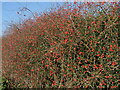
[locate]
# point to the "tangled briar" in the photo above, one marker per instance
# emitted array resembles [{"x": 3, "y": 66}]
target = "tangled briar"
[{"x": 75, "y": 46}]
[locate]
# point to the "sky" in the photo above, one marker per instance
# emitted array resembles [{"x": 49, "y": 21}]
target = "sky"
[{"x": 10, "y": 9}]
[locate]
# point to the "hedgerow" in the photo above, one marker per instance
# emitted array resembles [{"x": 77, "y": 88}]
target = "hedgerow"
[{"x": 75, "y": 46}]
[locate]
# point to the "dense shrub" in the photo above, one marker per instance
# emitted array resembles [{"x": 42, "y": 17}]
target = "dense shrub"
[{"x": 75, "y": 46}]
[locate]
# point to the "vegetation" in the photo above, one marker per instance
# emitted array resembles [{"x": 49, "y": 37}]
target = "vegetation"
[{"x": 73, "y": 46}]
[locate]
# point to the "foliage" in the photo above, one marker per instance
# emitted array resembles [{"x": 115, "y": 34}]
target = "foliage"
[
  {"x": 3, "y": 83},
  {"x": 71, "y": 47}
]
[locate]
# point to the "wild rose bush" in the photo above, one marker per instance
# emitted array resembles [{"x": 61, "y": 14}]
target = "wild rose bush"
[{"x": 74, "y": 46}]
